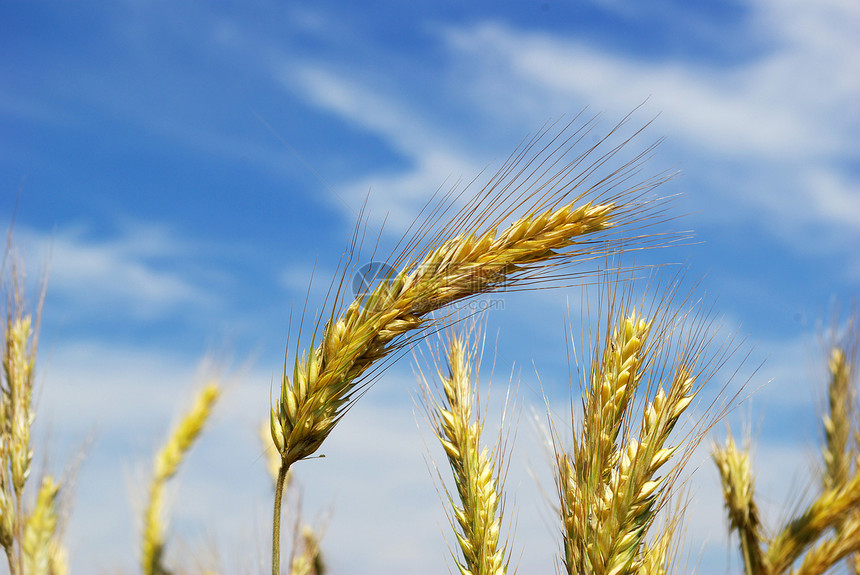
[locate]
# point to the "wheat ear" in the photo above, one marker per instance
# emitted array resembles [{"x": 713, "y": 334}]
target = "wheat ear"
[
  {"x": 827, "y": 554},
  {"x": 583, "y": 479},
  {"x": 166, "y": 464},
  {"x": 555, "y": 225},
  {"x": 738, "y": 493},
  {"x": 477, "y": 507},
  {"x": 838, "y": 452},
  {"x": 617, "y": 477},
  {"x": 324, "y": 381},
  {"x": 39, "y": 544},
  {"x": 20, "y": 341},
  {"x": 827, "y": 511}
]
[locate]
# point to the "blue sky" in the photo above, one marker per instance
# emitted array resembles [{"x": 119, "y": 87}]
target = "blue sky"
[{"x": 184, "y": 167}]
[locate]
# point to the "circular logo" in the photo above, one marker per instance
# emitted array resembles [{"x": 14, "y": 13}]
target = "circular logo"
[{"x": 368, "y": 277}]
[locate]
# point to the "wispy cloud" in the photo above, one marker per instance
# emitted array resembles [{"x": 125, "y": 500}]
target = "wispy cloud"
[
  {"x": 785, "y": 111},
  {"x": 136, "y": 272},
  {"x": 433, "y": 157}
]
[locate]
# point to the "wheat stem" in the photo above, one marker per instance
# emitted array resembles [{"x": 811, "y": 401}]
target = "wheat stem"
[{"x": 276, "y": 520}]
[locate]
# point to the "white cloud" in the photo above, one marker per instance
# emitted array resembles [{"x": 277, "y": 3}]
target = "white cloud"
[
  {"x": 776, "y": 126},
  {"x": 779, "y": 125},
  {"x": 134, "y": 272},
  {"x": 394, "y": 197}
]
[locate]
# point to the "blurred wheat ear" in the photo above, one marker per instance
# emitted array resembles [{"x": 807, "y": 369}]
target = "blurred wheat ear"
[
  {"x": 166, "y": 465},
  {"x": 30, "y": 538},
  {"x": 621, "y": 468},
  {"x": 827, "y": 530},
  {"x": 555, "y": 206}
]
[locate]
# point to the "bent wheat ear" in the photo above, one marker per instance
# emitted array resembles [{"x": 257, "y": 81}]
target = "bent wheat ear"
[
  {"x": 166, "y": 465},
  {"x": 557, "y": 212},
  {"x": 553, "y": 211}
]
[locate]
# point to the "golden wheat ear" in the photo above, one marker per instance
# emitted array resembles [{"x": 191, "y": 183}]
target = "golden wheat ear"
[
  {"x": 736, "y": 477},
  {"x": 622, "y": 467},
  {"x": 841, "y": 452},
  {"x": 477, "y": 503},
  {"x": 20, "y": 338},
  {"x": 547, "y": 210},
  {"x": 166, "y": 465},
  {"x": 556, "y": 209}
]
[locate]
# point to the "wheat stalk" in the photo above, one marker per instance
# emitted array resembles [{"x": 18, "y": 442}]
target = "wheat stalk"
[
  {"x": 615, "y": 479},
  {"x": 477, "y": 470},
  {"x": 555, "y": 224},
  {"x": 166, "y": 465},
  {"x": 739, "y": 495}
]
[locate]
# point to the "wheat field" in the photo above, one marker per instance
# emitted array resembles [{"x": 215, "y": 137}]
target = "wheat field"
[{"x": 561, "y": 213}]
